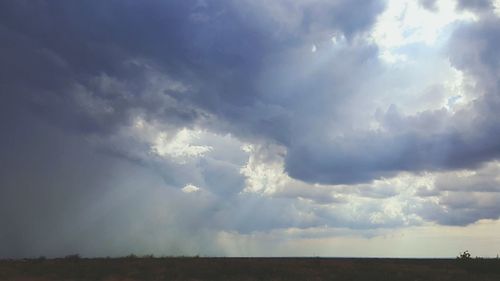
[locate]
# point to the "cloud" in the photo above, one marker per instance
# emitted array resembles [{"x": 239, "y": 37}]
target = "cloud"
[
  {"x": 484, "y": 179},
  {"x": 130, "y": 64},
  {"x": 190, "y": 188},
  {"x": 475, "y": 4},
  {"x": 179, "y": 145},
  {"x": 168, "y": 122},
  {"x": 462, "y": 209},
  {"x": 170, "y": 70},
  {"x": 429, "y": 4},
  {"x": 461, "y": 197},
  {"x": 426, "y": 141}
]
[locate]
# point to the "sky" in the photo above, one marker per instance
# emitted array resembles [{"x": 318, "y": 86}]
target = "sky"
[{"x": 347, "y": 128}]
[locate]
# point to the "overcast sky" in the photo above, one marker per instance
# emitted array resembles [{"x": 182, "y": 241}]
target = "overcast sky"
[{"x": 250, "y": 127}]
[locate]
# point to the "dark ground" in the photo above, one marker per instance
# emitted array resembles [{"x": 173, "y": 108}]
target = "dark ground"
[{"x": 309, "y": 269}]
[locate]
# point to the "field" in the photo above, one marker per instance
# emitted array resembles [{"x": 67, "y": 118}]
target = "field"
[{"x": 194, "y": 268}]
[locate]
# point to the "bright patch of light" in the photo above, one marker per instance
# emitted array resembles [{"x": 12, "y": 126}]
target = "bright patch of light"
[
  {"x": 406, "y": 22},
  {"x": 391, "y": 57},
  {"x": 190, "y": 188},
  {"x": 180, "y": 145},
  {"x": 496, "y": 5},
  {"x": 314, "y": 49},
  {"x": 262, "y": 176},
  {"x": 455, "y": 88}
]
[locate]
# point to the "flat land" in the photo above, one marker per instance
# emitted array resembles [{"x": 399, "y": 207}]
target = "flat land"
[{"x": 307, "y": 269}]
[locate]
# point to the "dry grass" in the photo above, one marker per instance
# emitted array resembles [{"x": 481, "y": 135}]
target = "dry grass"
[{"x": 131, "y": 269}]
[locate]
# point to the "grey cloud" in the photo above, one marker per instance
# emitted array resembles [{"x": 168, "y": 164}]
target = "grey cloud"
[
  {"x": 313, "y": 18},
  {"x": 384, "y": 191},
  {"x": 74, "y": 42},
  {"x": 484, "y": 180},
  {"x": 101, "y": 64},
  {"x": 364, "y": 157},
  {"x": 427, "y": 192},
  {"x": 473, "y": 49},
  {"x": 405, "y": 147},
  {"x": 461, "y": 208},
  {"x": 463, "y": 197},
  {"x": 429, "y": 4},
  {"x": 477, "y": 5}
]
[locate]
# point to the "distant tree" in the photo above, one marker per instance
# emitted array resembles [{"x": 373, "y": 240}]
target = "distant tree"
[{"x": 464, "y": 256}]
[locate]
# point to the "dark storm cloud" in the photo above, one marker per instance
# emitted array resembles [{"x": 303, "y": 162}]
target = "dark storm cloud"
[
  {"x": 214, "y": 47},
  {"x": 410, "y": 145},
  {"x": 66, "y": 45},
  {"x": 87, "y": 66}
]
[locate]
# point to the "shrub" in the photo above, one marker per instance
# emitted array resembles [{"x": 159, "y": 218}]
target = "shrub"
[{"x": 464, "y": 256}]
